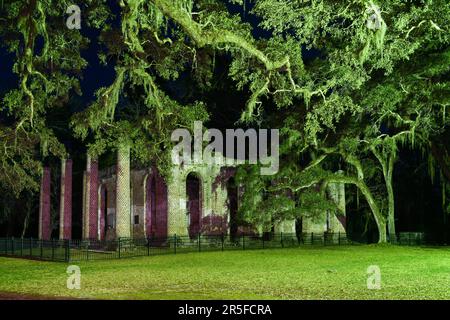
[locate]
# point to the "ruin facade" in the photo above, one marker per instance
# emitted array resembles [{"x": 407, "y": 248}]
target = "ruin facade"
[{"x": 197, "y": 199}]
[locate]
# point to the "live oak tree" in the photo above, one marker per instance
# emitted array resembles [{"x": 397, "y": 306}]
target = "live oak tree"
[
  {"x": 354, "y": 80},
  {"x": 415, "y": 113},
  {"x": 368, "y": 54},
  {"x": 48, "y": 67}
]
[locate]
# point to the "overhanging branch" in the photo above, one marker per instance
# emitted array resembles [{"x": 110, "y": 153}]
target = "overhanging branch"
[{"x": 220, "y": 36}]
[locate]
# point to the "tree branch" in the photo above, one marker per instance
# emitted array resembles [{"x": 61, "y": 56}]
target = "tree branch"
[{"x": 204, "y": 37}]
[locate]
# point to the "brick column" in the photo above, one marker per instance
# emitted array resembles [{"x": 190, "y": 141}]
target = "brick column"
[
  {"x": 93, "y": 199},
  {"x": 337, "y": 219},
  {"x": 84, "y": 221},
  {"x": 65, "y": 209},
  {"x": 285, "y": 226},
  {"x": 149, "y": 198},
  {"x": 102, "y": 208},
  {"x": 317, "y": 222},
  {"x": 90, "y": 193},
  {"x": 123, "y": 199},
  {"x": 177, "y": 206},
  {"x": 110, "y": 205},
  {"x": 161, "y": 207},
  {"x": 45, "y": 230}
]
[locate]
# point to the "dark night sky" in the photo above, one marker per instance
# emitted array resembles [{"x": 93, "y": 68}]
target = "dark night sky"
[{"x": 8, "y": 80}]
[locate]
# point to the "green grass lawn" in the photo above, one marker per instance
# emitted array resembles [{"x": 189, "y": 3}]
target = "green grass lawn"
[{"x": 299, "y": 273}]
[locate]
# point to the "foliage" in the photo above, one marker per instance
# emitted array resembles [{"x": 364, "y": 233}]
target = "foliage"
[
  {"x": 381, "y": 83},
  {"x": 48, "y": 65}
]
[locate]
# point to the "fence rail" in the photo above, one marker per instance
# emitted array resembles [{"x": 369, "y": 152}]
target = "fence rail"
[{"x": 83, "y": 250}]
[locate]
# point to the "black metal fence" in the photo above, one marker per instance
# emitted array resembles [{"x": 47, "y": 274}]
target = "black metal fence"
[
  {"x": 54, "y": 250},
  {"x": 79, "y": 250},
  {"x": 83, "y": 250}
]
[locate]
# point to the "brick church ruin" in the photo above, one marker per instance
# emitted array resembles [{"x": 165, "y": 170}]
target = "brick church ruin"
[{"x": 199, "y": 198}]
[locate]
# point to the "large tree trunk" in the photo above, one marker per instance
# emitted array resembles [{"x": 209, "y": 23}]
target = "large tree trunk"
[
  {"x": 379, "y": 219},
  {"x": 391, "y": 200},
  {"x": 388, "y": 168},
  {"x": 361, "y": 185}
]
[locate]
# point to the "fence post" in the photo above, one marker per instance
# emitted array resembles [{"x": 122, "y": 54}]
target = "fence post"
[
  {"x": 66, "y": 250},
  {"x": 175, "y": 243},
  {"x": 119, "y": 246},
  {"x": 70, "y": 250},
  {"x": 282, "y": 244},
  {"x": 262, "y": 238},
  {"x": 223, "y": 240},
  {"x": 53, "y": 250},
  {"x": 312, "y": 237}
]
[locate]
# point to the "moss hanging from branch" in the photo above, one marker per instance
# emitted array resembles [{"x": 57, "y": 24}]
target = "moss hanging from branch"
[{"x": 377, "y": 31}]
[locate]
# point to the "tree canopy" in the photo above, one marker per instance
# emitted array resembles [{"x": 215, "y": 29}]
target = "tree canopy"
[{"x": 348, "y": 83}]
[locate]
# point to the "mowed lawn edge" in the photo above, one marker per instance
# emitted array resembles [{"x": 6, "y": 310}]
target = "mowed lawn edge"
[{"x": 299, "y": 273}]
